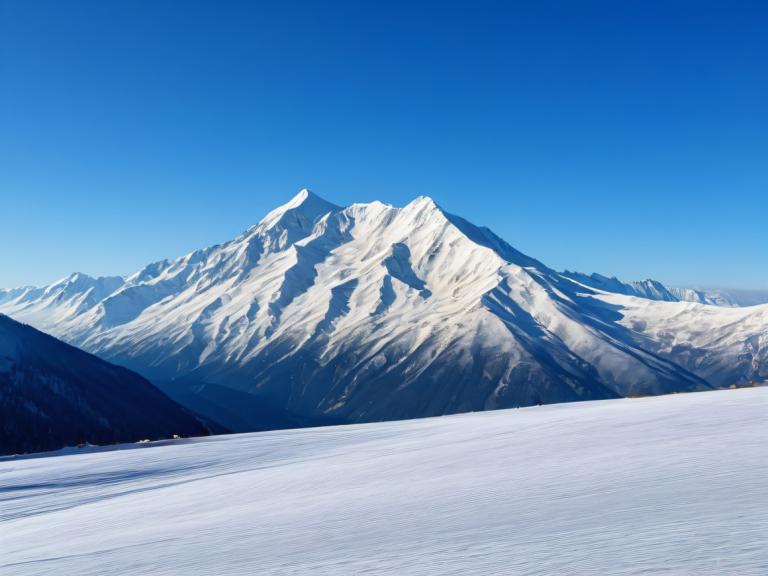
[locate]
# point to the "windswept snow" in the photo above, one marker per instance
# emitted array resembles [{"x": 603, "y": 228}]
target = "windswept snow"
[{"x": 666, "y": 485}]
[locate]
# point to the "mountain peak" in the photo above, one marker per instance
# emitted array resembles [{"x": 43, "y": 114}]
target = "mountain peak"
[
  {"x": 424, "y": 201},
  {"x": 303, "y": 195},
  {"x": 72, "y": 280},
  {"x": 75, "y": 276},
  {"x": 378, "y": 312},
  {"x": 306, "y": 202},
  {"x": 424, "y": 206}
]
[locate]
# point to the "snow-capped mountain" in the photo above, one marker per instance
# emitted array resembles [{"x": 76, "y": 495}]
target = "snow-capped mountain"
[
  {"x": 374, "y": 312},
  {"x": 54, "y": 395},
  {"x": 719, "y": 297},
  {"x": 712, "y": 297},
  {"x": 655, "y": 290},
  {"x": 651, "y": 289}
]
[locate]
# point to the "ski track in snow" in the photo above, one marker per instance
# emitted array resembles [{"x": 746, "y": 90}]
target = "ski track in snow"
[{"x": 666, "y": 485}]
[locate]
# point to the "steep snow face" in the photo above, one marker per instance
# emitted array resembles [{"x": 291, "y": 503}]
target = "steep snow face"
[
  {"x": 369, "y": 312},
  {"x": 667, "y": 485}
]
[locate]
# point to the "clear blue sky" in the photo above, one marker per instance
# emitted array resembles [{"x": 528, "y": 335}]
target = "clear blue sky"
[{"x": 621, "y": 136}]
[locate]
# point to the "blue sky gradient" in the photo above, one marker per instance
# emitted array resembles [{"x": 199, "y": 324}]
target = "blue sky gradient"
[{"x": 624, "y": 137}]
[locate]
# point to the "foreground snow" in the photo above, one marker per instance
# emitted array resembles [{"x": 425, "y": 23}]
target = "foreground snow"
[{"x": 666, "y": 485}]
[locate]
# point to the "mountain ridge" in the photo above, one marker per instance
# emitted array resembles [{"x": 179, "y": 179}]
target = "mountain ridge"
[
  {"x": 655, "y": 290},
  {"x": 54, "y": 395},
  {"x": 371, "y": 312}
]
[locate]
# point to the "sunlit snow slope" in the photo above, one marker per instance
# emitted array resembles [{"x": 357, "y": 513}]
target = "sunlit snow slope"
[
  {"x": 375, "y": 312},
  {"x": 665, "y": 485}
]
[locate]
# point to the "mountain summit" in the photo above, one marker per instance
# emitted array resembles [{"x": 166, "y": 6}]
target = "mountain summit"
[
  {"x": 305, "y": 207},
  {"x": 374, "y": 312}
]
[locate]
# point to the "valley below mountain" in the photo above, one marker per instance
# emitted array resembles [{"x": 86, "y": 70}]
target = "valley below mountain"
[{"x": 53, "y": 395}]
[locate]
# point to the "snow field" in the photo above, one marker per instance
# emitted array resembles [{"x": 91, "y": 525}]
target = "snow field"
[{"x": 666, "y": 485}]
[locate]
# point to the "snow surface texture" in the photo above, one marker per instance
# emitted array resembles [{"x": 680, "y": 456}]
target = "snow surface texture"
[
  {"x": 665, "y": 485},
  {"x": 373, "y": 312}
]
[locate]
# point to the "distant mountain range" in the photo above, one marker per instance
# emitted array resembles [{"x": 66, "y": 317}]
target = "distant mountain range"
[
  {"x": 320, "y": 313},
  {"x": 655, "y": 290},
  {"x": 53, "y": 395}
]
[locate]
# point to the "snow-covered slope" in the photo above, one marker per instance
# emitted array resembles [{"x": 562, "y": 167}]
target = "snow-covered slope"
[
  {"x": 651, "y": 289},
  {"x": 64, "y": 299},
  {"x": 373, "y": 312},
  {"x": 54, "y": 395},
  {"x": 655, "y": 290},
  {"x": 725, "y": 346},
  {"x": 667, "y": 485}
]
